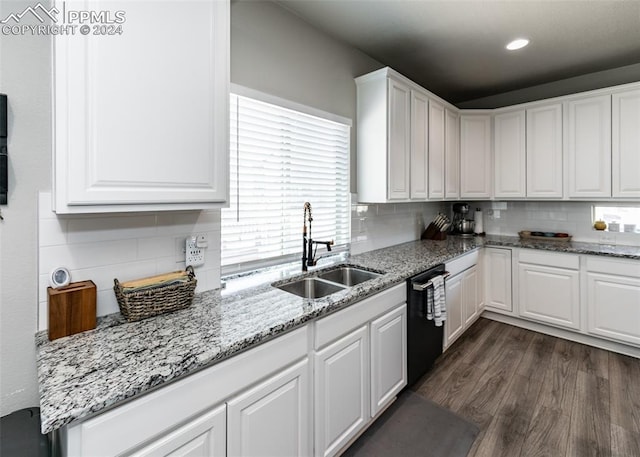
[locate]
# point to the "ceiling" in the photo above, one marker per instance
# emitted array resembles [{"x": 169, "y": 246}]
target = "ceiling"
[{"x": 456, "y": 49}]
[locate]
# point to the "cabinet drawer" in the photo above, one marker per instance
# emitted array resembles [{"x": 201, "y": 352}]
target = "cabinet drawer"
[
  {"x": 550, "y": 259},
  {"x": 341, "y": 322},
  {"x": 463, "y": 262},
  {"x": 622, "y": 267}
]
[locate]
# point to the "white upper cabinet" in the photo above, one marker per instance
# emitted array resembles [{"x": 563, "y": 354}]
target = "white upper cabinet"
[
  {"x": 141, "y": 118},
  {"x": 475, "y": 156},
  {"x": 544, "y": 151},
  {"x": 436, "y": 150},
  {"x": 419, "y": 145},
  {"x": 384, "y": 138},
  {"x": 399, "y": 141},
  {"x": 589, "y": 146},
  {"x": 626, "y": 144},
  {"x": 452, "y": 154},
  {"x": 510, "y": 154},
  {"x": 414, "y": 146}
]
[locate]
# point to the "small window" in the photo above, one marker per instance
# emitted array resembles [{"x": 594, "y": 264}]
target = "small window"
[
  {"x": 619, "y": 218},
  {"x": 279, "y": 159}
]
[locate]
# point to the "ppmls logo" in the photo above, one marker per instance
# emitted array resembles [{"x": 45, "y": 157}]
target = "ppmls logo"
[
  {"x": 66, "y": 22},
  {"x": 51, "y": 14}
]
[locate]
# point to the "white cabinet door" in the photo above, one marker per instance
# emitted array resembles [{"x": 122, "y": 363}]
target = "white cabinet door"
[
  {"x": 454, "y": 325},
  {"x": 452, "y": 155},
  {"x": 419, "y": 145},
  {"x": 613, "y": 306},
  {"x": 436, "y": 150},
  {"x": 549, "y": 294},
  {"x": 475, "y": 156},
  {"x": 399, "y": 140},
  {"x": 470, "y": 296},
  {"x": 509, "y": 154},
  {"x": 544, "y": 151},
  {"x": 497, "y": 273},
  {"x": 201, "y": 437},
  {"x": 341, "y": 391},
  {"x": 273, "y": 418},
  {"x": 140, "y": 124},
  {"x": 589, "y": 146},
  {"x": 626, "y": 144},
  {"x": 388, "y": 357}
]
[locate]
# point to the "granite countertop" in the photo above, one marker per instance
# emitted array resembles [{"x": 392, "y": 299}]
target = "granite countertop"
[
  {"x": 573, "y": 247},
  {"x": 85, "y": 373}
]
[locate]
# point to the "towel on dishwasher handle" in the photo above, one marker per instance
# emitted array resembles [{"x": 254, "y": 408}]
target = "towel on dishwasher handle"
[
  {"x": 439, "y": 301},
  {"x": 428, "y": 303}
]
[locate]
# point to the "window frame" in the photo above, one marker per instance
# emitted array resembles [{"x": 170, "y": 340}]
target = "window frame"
[{"x": 240, "y": 268}]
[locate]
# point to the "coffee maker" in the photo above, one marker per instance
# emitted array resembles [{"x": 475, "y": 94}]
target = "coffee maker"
[{"x": 460, "y": 224}]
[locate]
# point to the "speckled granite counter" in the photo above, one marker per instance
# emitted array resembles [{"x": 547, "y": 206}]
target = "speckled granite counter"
[
  {"x": 628, "y": 252},
  {"x": 88, "y": 372}
]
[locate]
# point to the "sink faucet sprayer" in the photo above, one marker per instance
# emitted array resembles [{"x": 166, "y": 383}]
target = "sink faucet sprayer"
[{"x": 308, "y": 254}]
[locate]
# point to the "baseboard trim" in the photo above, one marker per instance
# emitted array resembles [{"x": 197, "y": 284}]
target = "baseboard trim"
[{"x": 565, "y": 334}]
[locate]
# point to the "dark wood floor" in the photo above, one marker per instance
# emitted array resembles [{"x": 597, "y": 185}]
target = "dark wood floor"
[{"x": 537, "y": 395}]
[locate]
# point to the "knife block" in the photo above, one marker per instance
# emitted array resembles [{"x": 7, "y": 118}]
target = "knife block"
[{"x": 72, "y": 309}]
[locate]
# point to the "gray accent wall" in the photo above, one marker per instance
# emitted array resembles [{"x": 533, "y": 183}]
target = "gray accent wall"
[
  {"x": 591, "y": 81},
  {"x": 276, "y": 52}
]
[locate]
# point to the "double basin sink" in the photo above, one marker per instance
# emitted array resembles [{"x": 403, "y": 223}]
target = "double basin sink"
[{"x": 328, "y": 282}]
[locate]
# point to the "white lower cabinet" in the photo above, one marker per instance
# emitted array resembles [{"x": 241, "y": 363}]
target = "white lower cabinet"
[
  {"x": 341, "y": 391},
  {"x": 204, "y": 436},
  {"x": 464, "y": 295},
  {"x": 359, "y": 367},
  {"x": 463, "y": 303},
  {"x": 549, "y": 288},
  {"x": 255, "y": 403},
  {"x": 272, "y": 418},
  {"x": 454, "y": 325},
  {"x": 263, "y": 402},
  {"x": 497, "y": 277},
  {"x": 613, "y": 299},
  {"x": 388, "y": 357}
]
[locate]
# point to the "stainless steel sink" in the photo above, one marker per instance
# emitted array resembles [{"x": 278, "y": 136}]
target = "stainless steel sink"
[
  {"x": 349, "y": 276},
  {"x": 311, "y": 288}
]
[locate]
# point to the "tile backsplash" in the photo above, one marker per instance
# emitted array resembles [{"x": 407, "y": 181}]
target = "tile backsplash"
[
  {"x": 134, "y": 245},
  {"x": 375, "y": 226},
  {"x": 574, "y": 218},
  {"x": 125, "y": 246}
]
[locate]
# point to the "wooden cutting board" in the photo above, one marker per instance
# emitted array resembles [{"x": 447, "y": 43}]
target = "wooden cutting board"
[{"x": 72, "y": 309}]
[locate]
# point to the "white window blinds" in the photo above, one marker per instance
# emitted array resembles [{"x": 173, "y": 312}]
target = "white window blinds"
[{"x": 280, "y": 158}]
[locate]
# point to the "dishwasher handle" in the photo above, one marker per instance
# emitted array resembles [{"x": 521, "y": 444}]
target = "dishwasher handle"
[{"x": 424, "y": 286}]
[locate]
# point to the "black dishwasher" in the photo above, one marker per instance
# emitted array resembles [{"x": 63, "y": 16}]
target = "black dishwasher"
[{"x": 424, "y": 338}]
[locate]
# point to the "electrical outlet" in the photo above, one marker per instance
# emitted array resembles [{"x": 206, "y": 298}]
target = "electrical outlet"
[{"x": 194, "y": 255}]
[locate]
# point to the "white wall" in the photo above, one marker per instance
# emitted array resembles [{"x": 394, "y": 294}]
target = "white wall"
[{"x": 25, "y": 67}]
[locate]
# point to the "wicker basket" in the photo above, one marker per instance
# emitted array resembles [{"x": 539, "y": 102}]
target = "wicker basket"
[{"x": 137, "y": 305}]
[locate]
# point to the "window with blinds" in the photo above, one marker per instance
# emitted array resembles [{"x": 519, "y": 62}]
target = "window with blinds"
[{"x": 279, "y": 159}]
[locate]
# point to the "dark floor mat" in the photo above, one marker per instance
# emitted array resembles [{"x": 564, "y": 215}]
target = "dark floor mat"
[{"x": 414, "y": 426}]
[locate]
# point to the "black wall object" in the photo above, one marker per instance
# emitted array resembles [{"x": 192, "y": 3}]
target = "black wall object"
[{"x": 4, "y": 158}]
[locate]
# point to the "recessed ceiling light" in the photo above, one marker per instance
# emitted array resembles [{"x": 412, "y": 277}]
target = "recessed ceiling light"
[{"x": 517, "y": 44}]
